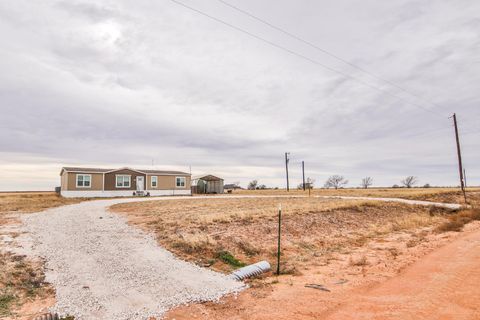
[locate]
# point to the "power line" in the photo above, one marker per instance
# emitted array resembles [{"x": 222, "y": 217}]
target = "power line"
[
  {"x": 329, "y": 53},
  {"x": 273, "y": 44}
]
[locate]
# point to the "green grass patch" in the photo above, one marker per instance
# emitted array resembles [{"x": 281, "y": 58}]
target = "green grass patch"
[
  {"x": 228, "y": 258},
  {"x": 5, "y": 302}
]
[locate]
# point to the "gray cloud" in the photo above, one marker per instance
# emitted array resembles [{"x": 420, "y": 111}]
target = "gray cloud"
[{"x": 111, "y": 83}]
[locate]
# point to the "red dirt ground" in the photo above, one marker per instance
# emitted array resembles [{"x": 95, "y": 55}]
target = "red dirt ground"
[{"x": 438, "y": 279}]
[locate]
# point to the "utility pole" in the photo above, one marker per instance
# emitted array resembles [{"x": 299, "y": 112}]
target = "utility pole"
[
  {"x": 459, "y": 154},
  {"x": 286, "y": 169},
  {"x": 303, "y": 174}
]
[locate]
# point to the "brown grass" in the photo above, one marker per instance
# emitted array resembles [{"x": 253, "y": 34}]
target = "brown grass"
[
  {"x": 358, "y": 262},
  {"x": 21, "y": 280},
  {"x": 312, "y": 228},
  {"x": 458, "y": 221},
  {"x": 451, "y": 195},
  {"x": 31, "y": 202}
]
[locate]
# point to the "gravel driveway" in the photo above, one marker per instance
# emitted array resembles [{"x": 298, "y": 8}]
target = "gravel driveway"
[{"x": 103, "y": 268}]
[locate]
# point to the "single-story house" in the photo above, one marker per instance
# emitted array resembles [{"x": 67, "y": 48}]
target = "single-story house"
[
  {"x": 123, "y": 182},
  {"x": 207, "y": 184}
]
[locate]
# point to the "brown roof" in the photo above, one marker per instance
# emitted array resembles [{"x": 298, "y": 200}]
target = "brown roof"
[
  {"x": 74, "y": 169},
  {"x": 100, "y": 170},
  {"x": 163, "y": 172}
]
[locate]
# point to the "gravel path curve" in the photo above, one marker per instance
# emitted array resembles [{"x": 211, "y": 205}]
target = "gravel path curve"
[{"x": 102, "y": 268}]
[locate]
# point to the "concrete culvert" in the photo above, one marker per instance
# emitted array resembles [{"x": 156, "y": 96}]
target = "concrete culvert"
[{"x": 252, "y": 270}]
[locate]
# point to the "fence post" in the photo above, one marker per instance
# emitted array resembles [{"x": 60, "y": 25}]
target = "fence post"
[{"x": 279, "y": 236}]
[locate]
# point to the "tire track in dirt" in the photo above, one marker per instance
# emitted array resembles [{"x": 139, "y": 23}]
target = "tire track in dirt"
[{"x": 442, "y": 285}]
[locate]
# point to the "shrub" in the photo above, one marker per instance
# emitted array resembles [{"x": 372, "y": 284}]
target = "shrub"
[
  {"x": 457, "y": 221},
  {"x": 228, "y": 258},
  {"x": 5, "y": 301},
  {"x": 452, "y": 225},
  {"x": 362, "y": 261}
]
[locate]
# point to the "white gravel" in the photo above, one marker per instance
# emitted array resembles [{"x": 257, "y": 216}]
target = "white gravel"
[{"x": 103, "y": 268}]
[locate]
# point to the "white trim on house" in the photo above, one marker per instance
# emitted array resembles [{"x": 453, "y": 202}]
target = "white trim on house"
[
  {"x": 184, "y": 182},
  {"x": 120, "y": 193},
  {"x": 151, "y": 182},
  {"x": 123, "y": 181},
  {"x": 83, "y": 180}
]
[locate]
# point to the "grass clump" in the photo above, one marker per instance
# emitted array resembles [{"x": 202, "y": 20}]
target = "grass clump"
[
  {"x": 248, "y": 249},
  {"x": 5, "y": 301},
  {"x": 358, "y": 262},
  {"x": 457, "y": 222},
  {"x": 229, "y": 259}
]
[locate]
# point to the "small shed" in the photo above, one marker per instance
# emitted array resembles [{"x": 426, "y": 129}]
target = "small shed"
[{"x": 209, "y": 183}]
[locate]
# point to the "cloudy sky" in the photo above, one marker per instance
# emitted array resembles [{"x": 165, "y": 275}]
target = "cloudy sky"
[{"x": 116, "y": 83}]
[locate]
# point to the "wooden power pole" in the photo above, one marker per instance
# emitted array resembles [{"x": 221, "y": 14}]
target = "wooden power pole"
[
  {"x": 303, "y": 174},
  {"x": 286, "y": 169},
  {"x": 459, "y": 154}
]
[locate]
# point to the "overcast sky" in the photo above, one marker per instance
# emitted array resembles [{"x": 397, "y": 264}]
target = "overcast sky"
[{"x": 124, "y": 83}]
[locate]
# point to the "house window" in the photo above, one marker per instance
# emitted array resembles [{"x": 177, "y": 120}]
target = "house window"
[
  {"x": 123, "y": 181},
  {"x": 154, "y": 181},
  {"x": 180, "y": 182},
  {"x": 84, "y": 180}
]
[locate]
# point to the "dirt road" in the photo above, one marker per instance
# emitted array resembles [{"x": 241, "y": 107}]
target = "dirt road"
[{"x": 443, "y": 285}]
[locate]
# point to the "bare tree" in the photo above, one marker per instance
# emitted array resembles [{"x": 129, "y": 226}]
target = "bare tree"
[
  {"x": 308, "y": 184},
  {"x": 367, "y": 182},
  {"x": 336, "y": 182},
  {"x": 410, "y": 181},
  {"x": 252, "y": 185}
]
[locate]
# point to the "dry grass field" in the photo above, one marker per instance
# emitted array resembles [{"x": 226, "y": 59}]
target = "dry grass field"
[
  {"x": 25, "y": 202},
  {"x": 450, "y": 195},
  {"x": 228, "y": 233}
]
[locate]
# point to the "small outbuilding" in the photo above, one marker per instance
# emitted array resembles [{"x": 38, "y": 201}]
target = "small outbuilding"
[{"x": 205, "y": 184}]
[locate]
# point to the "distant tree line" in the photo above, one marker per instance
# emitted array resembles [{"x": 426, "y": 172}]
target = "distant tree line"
[{"x": 339, "y": 182}]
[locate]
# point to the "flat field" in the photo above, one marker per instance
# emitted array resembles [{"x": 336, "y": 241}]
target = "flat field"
[
  {"x": 450, "y": 195},
  {"x": 227, "y": 233}
]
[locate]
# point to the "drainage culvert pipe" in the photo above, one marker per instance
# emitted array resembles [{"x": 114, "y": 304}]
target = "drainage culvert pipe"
[{"x": 252, "y": 270}]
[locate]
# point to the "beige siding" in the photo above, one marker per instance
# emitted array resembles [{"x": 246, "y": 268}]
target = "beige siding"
[
  {"x": 70, "y": 181},
  {"x": 63, "y": 181},
  {"x": 167, "y": 183}
]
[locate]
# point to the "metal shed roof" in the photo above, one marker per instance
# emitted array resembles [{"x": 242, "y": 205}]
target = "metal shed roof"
[{"x": 207, "y": 177}]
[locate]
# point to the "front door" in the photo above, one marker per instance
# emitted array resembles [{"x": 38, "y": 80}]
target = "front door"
[{"x": 140, "y": 183}]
